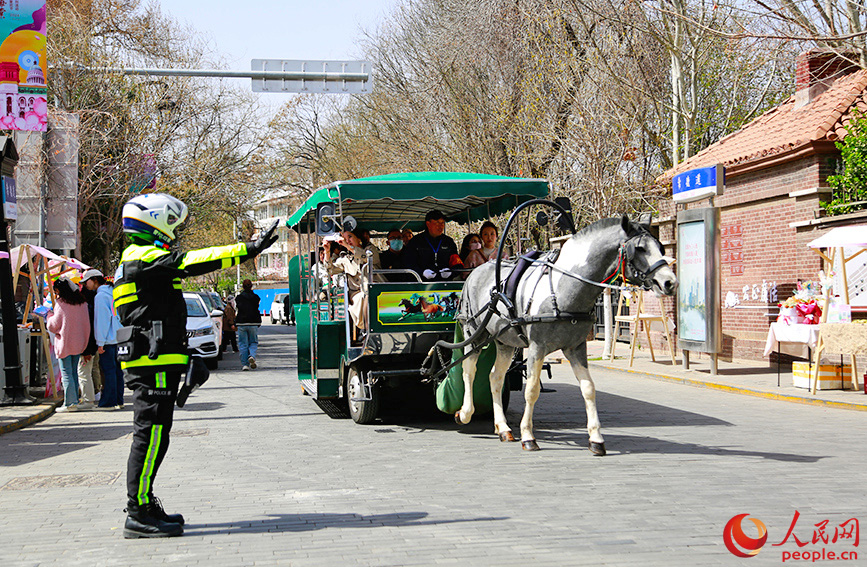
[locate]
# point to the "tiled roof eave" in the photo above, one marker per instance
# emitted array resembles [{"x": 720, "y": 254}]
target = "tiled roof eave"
[
  {"x": 814, "y": 147},
  {"x": 763, "y": 162}
]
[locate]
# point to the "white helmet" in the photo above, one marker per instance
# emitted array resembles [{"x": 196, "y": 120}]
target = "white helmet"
[{"x": 154, "y": 216}]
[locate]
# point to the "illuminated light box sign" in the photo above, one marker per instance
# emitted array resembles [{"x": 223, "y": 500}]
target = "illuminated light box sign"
[{"x": 699, "y": 183}]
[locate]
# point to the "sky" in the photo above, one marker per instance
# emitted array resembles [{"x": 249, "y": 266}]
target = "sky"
[{"x": 281, "y": 29}]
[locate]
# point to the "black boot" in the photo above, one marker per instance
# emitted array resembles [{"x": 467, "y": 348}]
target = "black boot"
[
  {"x": 156, "y": 510},
  {"x": 140, "y": 522}
]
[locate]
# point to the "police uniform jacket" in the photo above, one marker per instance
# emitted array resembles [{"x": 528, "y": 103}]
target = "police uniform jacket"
[{"x": 148, "y": 288}]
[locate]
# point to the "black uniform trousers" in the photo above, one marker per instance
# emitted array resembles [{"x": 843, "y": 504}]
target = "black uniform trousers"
[{"x": 153, "y": 401}]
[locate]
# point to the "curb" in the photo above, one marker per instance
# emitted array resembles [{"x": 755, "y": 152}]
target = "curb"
[
  {"x": 740, "y": 390},
  {"x": 29, "y": 420}
]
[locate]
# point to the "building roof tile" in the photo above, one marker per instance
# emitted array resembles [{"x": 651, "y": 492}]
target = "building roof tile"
[{"x": 786, "y": 128}]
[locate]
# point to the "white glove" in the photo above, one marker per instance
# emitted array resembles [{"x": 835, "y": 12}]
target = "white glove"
[
  {"x": 445, "y": 274},
  {"x": 429, "y": 274}
]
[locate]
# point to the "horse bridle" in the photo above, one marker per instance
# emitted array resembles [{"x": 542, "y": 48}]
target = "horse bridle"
[{"x": 626, "y": 259}]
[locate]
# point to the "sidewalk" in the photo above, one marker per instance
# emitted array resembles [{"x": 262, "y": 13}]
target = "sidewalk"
[
  {"x": 749, "y": 377},
  {"x": 16, "y": 417},
  {"x": 753, "y": 378}
]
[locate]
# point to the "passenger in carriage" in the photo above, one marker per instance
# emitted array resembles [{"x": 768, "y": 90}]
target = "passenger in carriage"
[
  {"x": 406, "y": 235},
  {"x": 432, "y": 254},
  {"x": 392, "y": 258},
  {"x": 471, "y": 252},
  {"x": 489, "y": 234},
  {"x": 353, "y": 265}
]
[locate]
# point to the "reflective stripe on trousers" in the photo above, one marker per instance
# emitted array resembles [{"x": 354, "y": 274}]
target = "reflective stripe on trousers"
[{"x": 153, "y": 400}]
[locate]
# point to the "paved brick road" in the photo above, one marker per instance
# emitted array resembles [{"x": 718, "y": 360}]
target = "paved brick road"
[{"x": 264, "y": 477}]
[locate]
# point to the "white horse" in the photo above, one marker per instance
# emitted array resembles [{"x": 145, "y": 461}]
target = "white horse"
[{"x": 553, "y": 311}]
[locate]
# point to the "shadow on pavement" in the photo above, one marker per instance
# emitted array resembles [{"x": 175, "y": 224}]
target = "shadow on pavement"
[
  {"x": 637, "y": 444},
  {"x": 554, "y": 413},
  {"x": 310, "y": 522},
  {"x": 50, "y": 441},
  {"x": 621, "y": 411},
  {"x": 180, "y": 417},
  {"x": 202, "y": 406}
]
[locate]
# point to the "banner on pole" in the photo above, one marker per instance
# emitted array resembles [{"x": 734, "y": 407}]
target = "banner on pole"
[{"x": 23, "y": 65}]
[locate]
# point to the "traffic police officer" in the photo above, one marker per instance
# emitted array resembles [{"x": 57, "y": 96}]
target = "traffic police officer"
[{"x": 152, "y": 345}]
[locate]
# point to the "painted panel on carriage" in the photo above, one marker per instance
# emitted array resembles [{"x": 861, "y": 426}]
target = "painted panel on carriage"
[
  {"x": 402, "y": 307},
  {"x": 405, "y": 306}
]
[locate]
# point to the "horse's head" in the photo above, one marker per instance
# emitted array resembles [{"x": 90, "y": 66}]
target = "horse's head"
[{"x": 644, "y": 259}]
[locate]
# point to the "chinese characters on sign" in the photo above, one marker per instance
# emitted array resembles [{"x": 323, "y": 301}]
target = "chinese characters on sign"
[
  {"x": 697, "y": 184},
  {"x": 732, "y": 244}
]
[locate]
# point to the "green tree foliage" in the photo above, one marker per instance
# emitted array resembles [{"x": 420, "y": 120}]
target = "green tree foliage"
[{"x": 850, "y": 185}]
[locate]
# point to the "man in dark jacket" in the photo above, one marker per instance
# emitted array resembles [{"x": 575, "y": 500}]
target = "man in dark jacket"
[
  {"x": 431, "y": 253},
  {"x": 247, "y": 319}
]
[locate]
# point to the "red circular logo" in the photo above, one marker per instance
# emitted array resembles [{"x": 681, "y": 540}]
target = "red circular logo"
[{"x": 738, "y": 542}]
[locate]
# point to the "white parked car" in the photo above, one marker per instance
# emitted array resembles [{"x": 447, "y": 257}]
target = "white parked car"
[
  {"x": 277, "y": 311},
  {"x": 201, "y": 334}
]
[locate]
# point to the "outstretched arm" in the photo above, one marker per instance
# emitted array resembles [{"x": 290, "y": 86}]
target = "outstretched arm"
[{"x": 202, "y": 261}]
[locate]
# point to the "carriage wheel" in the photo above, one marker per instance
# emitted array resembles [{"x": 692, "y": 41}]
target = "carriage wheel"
[{"x": 361, "y": 411}]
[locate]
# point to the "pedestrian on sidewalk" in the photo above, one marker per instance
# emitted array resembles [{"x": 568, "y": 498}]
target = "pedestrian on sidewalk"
[
  {"x": 229, "y": 328},
  {"x": 89, "y": 379},
  {"x": 106, "y": 324},
  {"x": 70, "y": 324},
  {"x": 248, "y": 319}
]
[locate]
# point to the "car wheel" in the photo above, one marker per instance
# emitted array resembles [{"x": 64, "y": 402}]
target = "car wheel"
[{"x": 211, "y": 363}]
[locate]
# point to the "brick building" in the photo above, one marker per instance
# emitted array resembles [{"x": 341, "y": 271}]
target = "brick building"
[{"x": 776, "y": 175}]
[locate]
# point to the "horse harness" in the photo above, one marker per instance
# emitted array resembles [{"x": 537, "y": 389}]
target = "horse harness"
[{"x": 625, "y": 269}]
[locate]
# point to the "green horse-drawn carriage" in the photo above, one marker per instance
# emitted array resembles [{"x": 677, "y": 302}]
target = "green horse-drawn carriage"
[{"x": 340, "y": 367}]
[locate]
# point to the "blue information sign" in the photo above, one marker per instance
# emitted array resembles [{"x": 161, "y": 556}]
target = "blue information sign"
[
  {"x": 698, "y": 183},
  {"x": 10, "y": 198}
]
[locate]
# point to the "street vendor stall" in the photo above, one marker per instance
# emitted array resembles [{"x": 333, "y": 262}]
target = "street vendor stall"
[
  {"x": 40, "y": 266},
  {"x": 845, "y": 337}
]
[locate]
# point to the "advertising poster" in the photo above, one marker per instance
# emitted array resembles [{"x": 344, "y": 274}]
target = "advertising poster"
[
  {"x": 23, "y": 66},
  {"x": 692, "y": 311}
]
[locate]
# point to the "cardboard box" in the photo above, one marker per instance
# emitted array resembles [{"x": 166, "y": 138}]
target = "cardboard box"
[{"x": 831, "y": 376}]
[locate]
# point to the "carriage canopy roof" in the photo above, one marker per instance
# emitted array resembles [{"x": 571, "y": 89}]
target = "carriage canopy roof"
[{"x": 402, "y": 200}]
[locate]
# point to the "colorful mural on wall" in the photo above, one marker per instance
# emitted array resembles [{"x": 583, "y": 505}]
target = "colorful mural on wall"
[{"x": 23, "y": 65}]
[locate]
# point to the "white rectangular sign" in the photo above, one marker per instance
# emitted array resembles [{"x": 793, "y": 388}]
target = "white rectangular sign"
[{"x": 321, "y": 77}]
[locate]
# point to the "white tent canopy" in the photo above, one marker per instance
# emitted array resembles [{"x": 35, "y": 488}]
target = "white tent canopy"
[{"x": 842, "y": 236}]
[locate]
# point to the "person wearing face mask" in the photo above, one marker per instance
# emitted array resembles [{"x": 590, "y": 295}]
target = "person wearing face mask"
[
  {"x": 471, "y": 252},
  {"x": 391, "y": 259}
]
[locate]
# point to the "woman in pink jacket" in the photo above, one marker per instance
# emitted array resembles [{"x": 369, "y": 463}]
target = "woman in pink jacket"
[{"x": 70, "y": 324}]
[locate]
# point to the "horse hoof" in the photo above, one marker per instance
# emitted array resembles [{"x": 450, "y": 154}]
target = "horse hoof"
[
  {"x": 458, "y": 418},
  {"x": 598, "y": 449},
  {"x": 507, "y": 436},
  {"x": 530, "y": 445}
]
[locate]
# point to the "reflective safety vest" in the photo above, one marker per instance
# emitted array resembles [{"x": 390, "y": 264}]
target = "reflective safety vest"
[{"x": 147, "y": 288}]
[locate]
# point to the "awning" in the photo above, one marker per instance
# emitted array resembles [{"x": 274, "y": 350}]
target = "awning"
[
  {"x": 842, "y": 236},
  {"x": 402, "y": 200}
]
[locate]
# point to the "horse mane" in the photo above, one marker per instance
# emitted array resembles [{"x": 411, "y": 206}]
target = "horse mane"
[
  {"x": 601, "y": 224},
  {"x": 606, "y": 223}
]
